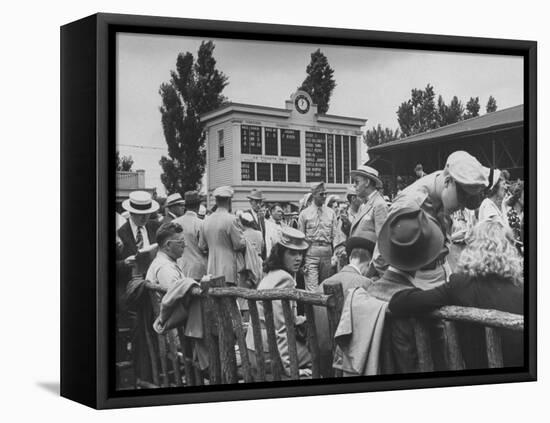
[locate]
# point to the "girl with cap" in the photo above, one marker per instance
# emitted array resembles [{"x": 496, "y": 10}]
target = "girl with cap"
[{"x": 285, "y": 260}]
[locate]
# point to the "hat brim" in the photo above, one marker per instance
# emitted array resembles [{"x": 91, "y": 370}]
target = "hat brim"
[
  {"x": 251, "y": 197},
  {"x": 411, "y": 260},
  {"x": 378, "y": 183},
  {"x": 302, "y": 246},
  {"x": 127, "y": 206},
  {"x": 175, "y": 203}
]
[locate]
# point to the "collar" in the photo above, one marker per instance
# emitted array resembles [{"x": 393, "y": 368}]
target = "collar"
[
  {"x": 162, "y": 255},
  {"x": 134, "y": 227},
  {"x": 372, "y": 194},
  {"x": 400, "y": 272},
  {"x": 172, "y": 214},
  {"x": 356, "y": 268}
]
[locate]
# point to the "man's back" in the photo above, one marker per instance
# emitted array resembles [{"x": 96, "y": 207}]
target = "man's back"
[
  {"x": 193, "y": 261},
  {"x": 222, "y": 238}
]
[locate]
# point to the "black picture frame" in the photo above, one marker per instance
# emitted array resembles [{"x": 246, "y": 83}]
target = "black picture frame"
[{"x": 87, "y": 177}]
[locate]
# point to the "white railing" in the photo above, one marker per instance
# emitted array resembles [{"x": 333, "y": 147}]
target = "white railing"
[{"x": 130, "y": 180}]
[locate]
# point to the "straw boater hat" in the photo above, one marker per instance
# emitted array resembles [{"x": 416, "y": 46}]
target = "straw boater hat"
[
  {"x": 368, "y": 172},
  {"x": 255, "y": 194},
  {"x": 293, "y": 239},
  {"x": 410, "y": 239},
  {"x": 140, "y": 202},
  {"x": 362, "y": 239},
  {"x": 174, "y": 199}
]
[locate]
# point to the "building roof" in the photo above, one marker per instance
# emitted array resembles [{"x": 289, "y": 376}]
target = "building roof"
[
  {"x": 502, "y": 119},
  {"x": 254, "y": 109}
]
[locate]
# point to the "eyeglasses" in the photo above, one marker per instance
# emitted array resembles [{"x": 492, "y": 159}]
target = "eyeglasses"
[{"x": 323, "y": 194}]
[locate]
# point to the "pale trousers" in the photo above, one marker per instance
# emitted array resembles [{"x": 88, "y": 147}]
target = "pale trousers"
[{"x": 317, "y": 266}]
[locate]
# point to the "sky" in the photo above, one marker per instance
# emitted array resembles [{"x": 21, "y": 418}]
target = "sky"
[{"x": 371, "y": 83}]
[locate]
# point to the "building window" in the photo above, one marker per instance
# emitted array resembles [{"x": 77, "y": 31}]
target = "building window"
[
  {"x": 293, "y": 173},
  {"x": 221, "y": 148},
  {"x": 248, "y": 171},
  {"x": 264, "y": 171},
  {"x": 251, "y": 139},
  {"x": 290, "y": 143},
  {"x": 271, "y": 148},
  {"x": 279, "y": 172},
  {"x": 346, "y": 159}
]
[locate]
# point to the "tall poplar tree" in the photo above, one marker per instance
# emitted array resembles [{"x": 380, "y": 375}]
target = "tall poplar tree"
[
  {"x": 195, "y": 88},
  {"x": 319, "y": 82}
]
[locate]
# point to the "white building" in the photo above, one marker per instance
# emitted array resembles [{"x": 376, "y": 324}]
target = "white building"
[{"x": 280, "y": 151}]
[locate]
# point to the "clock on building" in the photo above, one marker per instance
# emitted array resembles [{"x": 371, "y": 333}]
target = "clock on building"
[{"x": 302, "y": 103}]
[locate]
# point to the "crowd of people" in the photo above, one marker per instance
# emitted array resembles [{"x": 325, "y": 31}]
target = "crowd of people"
[{"x": 454, "y": 236}]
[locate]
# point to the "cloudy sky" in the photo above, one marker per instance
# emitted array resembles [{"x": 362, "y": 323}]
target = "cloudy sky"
[{"x": 371, "y": 83}]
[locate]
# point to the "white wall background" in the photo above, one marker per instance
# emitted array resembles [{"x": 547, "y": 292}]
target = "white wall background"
[{"x": 29, "y": 354}]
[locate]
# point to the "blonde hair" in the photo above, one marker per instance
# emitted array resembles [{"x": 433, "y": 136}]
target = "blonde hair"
[{"x": 491, "y": 251}]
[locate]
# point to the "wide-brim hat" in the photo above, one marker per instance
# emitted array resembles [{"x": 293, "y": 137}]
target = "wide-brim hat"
[
  {"x": 140, "y": 202},
  {"x": 368, "y": 172},
  {"x": 174, "y": 199},
  {"x": 293, "y": 239},
  {"x": 255, "y": 194},
  {"x": 410, "y": 239},
  {"x": 362, "y": 239}
]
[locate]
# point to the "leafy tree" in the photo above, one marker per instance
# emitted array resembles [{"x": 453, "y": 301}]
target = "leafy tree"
[
  {"x": 491, "y": 105},
  {"x": 195, "y": 88},
  {"x": 378, "y": 135},
  {"x": 472, "y": 108},
  {"x": 124, "y": 163},
  {"x": 419, "y": 113},
  {"x": 319, "y": 82}
]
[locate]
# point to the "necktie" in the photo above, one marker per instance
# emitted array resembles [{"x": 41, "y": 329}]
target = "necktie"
[{"x": 139, "y": 238}]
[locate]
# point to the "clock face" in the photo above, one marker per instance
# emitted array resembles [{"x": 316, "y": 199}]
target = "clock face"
[{"x": 302, "y": 103}]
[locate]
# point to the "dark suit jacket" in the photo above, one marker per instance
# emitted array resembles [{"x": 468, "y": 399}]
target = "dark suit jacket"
[
  {"x": 260, "y": 226},
  {"x": 488, "y": 292},
  {"x": 129, "y": 248}
]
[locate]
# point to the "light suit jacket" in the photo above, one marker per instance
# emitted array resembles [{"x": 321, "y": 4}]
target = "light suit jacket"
[
  {"x": 371, "y": 216},
  {"x": 193, "y": 261},
  {"x": 222, "y": 239}
]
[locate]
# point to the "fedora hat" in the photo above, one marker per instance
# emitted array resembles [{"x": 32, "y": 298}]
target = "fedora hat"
[
  {"x": 174, "y": 199},
  {"x": 368, "y": 172},
  {"x": 410, "y": 239},
  {"x": 191, "y": 198},
  {"x": 362, "y": 239},
  {"x": 255, "y": 194},
  {"x": 293, "y": 239},
  {"x": 140, "y": 202}
]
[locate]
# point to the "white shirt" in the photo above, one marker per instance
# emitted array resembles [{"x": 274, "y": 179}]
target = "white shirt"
[
  {"x": 143, "y": 233},
  {"x": 488, "y": 209}
]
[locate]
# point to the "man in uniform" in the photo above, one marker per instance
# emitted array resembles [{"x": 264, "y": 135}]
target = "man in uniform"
[
  {"x": 256, "y": 199},
  {"x": 193, "y": 261},
  {"x": 318, "y": 223},
  {"x": 174, "y": 207},
  {"x": 222, "y": 237},
  {"x": 459, "y": 185}
]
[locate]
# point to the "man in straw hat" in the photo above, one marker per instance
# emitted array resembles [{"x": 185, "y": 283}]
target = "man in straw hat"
[
  {"x": 139, "y": 232},
  {"x": 409, "y": 240},
  {"x": 222, "y": 238},
  {"x": 374, "y": 210},
  {"x": 459, "y": 185},
  {"x": 256, "y": 199},
  {"x": 174, "y": 207},
  {"x": 318, "y": 223},
  {"x": 193, "y": 261}
]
